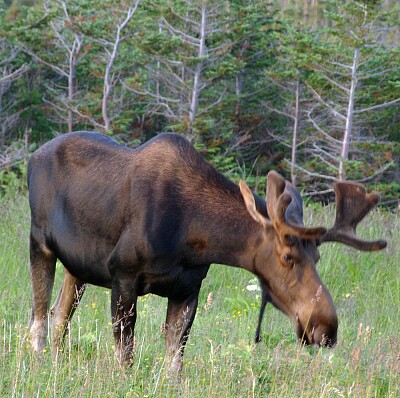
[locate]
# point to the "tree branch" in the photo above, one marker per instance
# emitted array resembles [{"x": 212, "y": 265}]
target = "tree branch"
[
  {"x": 16, "y": 74},
  {"x": 375, "y": 107},
  {"x": 184, "y": 36},
  {"x": 330, "y": 107},
  {"x": 336, "y": 84},
  {"x": 330, "y": 139},
  {"x": 41, "y": 60},
  {"x": 380, "y": 171},
  {"x": 311, "y": 174}
]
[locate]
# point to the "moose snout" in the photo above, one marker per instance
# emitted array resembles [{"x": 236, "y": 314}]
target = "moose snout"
[
  {"x": 324, "y": 336},
  {"x": 319, "y": 330}
]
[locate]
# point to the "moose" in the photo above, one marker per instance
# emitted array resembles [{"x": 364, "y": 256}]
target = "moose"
[{"x": 152, "y": 220}]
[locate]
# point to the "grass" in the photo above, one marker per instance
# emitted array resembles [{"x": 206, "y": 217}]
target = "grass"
[{"x": 221, "y": 358}]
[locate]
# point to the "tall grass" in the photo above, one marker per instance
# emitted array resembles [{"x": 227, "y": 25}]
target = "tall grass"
[{"x": 221, "y": 358}]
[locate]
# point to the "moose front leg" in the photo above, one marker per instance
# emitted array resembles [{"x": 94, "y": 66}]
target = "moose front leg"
[
  {"x": 123, "y": 311},
  {"x": 180, "y": 316},
  {"x": 264, "y": 301}
]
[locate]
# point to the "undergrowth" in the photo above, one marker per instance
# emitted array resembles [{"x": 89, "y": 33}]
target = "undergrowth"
[{"x": 221, "y": 358}]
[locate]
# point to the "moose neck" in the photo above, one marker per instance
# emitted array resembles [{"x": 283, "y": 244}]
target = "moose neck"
[{"x": 226, "y": 234}]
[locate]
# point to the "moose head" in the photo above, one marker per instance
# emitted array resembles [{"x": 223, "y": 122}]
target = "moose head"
[{"x": 290, "y": 280}]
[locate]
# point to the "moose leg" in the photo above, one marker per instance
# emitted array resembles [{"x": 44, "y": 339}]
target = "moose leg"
[
  {"x": 64, "y": 307},
  {"x": 180, "y": 316},
  {"x": 43, "y": 266},
  {"x": 123, "y": 311},
  {"x": 264, "y": 302}
]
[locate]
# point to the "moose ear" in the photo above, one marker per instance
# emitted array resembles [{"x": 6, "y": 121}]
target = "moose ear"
[
  {"x": 251, "y": 204},
  {"x": 278, "y": 201}
]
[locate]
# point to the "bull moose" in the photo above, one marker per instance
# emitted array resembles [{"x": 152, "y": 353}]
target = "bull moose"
[{"x": 153, "y": 219}]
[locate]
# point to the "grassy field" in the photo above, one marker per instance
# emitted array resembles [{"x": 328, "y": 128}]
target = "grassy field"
[{"x": 221, "y": 359}]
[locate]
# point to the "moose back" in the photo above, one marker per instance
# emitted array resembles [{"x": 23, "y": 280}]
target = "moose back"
[{"x": 153, "y": 219}]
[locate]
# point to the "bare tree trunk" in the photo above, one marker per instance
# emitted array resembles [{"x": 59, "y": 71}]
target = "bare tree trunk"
[
  {"x": 295, "y": 130},
  {"x": 158, "y": 74},
  {"x": 70, "y": 98},
  {"x": 349, "y": 118},
  {"x": 199, "y": 67},
  {"x": 239, "y": 85},
  {"x": 238, "y": 92},
  {"x": 76, "y": 46}
]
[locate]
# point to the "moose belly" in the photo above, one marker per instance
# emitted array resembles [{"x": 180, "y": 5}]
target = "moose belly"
[
  {"x": 85, "y": 259},
  {"x": 180, "y": 280}
]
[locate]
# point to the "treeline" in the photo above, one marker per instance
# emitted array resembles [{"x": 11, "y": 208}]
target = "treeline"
[{"x": 253, "y": 89}]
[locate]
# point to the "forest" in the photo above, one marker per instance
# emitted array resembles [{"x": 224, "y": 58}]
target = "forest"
[{"x": 311, "y": 89}]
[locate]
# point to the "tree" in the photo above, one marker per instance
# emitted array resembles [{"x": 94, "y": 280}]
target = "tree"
[
  {"x": 10, "y": 71},
  {"x": 255, "y": 32},
  {"x": 85, "y": 49},
  {"x": 111, "y": 47},
  {"x": 187, "y": 47},
  {"x": 353, "y": 59},
  {"x": 55, "y": 24}
]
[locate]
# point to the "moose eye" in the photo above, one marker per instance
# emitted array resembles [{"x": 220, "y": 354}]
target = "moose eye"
[{"x": 288, "y": 259}]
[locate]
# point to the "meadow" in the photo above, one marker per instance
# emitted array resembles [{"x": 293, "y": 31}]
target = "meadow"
[{"x": 221, "y": 358}]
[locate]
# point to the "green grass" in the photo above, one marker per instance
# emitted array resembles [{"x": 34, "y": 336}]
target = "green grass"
[{"x": 221, "y": 359}]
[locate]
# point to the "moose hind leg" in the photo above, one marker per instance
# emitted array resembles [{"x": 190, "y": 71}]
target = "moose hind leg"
[
  {"x": 67, "y": 301},
  {"x": 180, "y": 316},
  {"x": 42, "y": 269}
]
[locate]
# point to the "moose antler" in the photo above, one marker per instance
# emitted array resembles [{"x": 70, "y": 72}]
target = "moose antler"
[
  {"x": 352, "y": 205},
  {"x": 278, "y": 201}
]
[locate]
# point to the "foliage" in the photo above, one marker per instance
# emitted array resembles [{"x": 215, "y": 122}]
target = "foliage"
[
  {"x": 235, "y": 92},
  {"x": 12, "y": 180}
]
